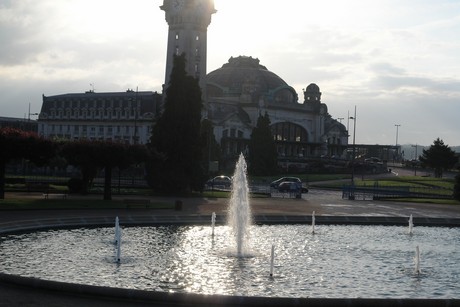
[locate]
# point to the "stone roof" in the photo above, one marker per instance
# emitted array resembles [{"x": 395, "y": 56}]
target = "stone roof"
[
  {"x": 148, "y": 100},
  {"x": 245, "y": 75}
]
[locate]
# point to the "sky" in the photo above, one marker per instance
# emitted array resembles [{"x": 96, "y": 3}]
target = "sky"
[{"x": 397, "y": 61}]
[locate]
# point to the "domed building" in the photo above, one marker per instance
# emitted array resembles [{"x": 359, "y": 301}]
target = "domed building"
[
  {"x": 242, "y": 89},
  {"x": 236, "y": 93}
]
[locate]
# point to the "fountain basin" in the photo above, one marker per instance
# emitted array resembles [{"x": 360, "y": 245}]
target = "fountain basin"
[{"x": 257, "y": 267}]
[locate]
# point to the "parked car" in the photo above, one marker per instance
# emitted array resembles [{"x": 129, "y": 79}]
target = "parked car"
[
  {"x": 289, "y": 187},
  {"x": 220, "y": 182},
  {"x": 277, "y": 183}
]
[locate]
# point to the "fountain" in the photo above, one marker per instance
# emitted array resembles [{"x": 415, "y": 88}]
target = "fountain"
[
  {"x": 239, "y": 211},
  {"x": 339, "y": 262}
]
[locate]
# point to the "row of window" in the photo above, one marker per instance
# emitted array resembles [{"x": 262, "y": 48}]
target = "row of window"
[
  {"x": 234, "y": 147},
  {"x": 233, "y": 133},
  {"x": 124, "y": 139},
  {"x": 93, "y": 113},
  {"x": 93, "y": 129},
  {"x": 286, "y": 132},
  {"x": 197, "y": 53},
  {"x": 289, "y": 132},
  {"x": 334, "y": 141}
]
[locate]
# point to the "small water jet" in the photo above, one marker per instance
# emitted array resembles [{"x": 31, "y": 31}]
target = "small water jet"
[
  {"x": 239, "y": 210},
  {"x": 117, "y": 229},
  {"x": 411, "y": 224},
  {"x": 272, "y": 260},
  {"x": 313, "y": 222},
  {"x": 118, "y": 257},
  {"x": 213, "y": 222},
  {"x": 418, "y": 271},
  {"x": 118, "y": 239}
]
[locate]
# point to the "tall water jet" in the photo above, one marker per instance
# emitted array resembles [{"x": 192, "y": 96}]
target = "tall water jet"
[{"x": 239, "y": 210}]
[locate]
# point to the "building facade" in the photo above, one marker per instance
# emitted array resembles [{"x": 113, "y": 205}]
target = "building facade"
[
  {"x": 121, "y": 116},
  {"x": 243, "y": 89},
  {"x": 19, "y": 123}
]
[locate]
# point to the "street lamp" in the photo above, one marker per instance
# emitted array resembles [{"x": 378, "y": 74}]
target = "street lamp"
[
  {"x": 415, "y": 159},
  {"x": 354, "y": 149},
  {"x": 397, "y": 133}
]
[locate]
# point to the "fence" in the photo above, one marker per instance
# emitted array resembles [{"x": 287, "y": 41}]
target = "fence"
[{"x": 377, "y": 192}]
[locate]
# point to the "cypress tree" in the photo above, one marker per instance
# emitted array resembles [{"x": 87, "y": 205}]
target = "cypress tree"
[
  {"x": 263, "y": 157},
  {"x": 176, "y": 135}
]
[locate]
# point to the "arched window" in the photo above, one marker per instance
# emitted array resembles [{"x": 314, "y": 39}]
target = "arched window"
[{"x": 289, "y": 132}]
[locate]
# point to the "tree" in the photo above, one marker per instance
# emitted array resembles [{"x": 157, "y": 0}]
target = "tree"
[
  {"x": 17, "y": 144},
  {"x": 80, "y": 153},
  {"x": 263, "y": 157},
  {"x": 439, "y": 156},
  {"x": 456, "y": 194},
  {"x": 211, "y": 150},
  {"x": 93, "y": 155},
  {"x": 176, "y": 135}
]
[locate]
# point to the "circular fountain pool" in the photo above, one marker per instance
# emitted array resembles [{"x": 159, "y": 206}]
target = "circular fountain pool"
[{"x": 335, "y": 262}]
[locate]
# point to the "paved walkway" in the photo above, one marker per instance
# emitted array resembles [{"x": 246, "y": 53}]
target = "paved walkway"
[{"x": 324, "y": 203}]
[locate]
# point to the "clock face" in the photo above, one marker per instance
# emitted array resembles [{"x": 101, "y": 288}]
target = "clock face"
[{"x": 177, "y": 4}]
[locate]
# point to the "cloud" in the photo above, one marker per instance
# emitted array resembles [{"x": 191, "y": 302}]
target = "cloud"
[{"x": 21, "y": 35}]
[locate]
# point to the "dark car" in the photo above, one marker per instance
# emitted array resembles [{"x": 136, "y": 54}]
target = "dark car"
[
  {"x": 219, "y": 182},
  {"x": 289, "y": 187},
  {"x": 277, "y": 182},
  {"x": 285, "y": 181}
]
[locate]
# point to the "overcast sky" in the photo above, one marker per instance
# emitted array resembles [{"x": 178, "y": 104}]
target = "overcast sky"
[{"x": 398, "y": 61}]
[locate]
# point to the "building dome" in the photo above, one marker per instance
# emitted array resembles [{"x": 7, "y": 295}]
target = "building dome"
[
  {"x": 313, "y": 88},
  {"x": 312, "y": 93},
  {"x": 245, "y": 76}
]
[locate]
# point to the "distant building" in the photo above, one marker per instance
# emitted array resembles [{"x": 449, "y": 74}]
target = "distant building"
[
  {"x": 119, "y": 116},
  {"x": 242, "y": 89},
  {"x": 19, "y": 123}
]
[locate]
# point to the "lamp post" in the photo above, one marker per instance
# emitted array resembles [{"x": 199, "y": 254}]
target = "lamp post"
[
  {"x": 397, "y": 133},
  {"x": 135, "y": 119},
  {"x": 354, "y": 150},
  {"x": 29, "y": 125},
  {"x": 415, "y": 159}
]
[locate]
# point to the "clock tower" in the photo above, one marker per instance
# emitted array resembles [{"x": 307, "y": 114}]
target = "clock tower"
[{"x": 188, "y": 22}]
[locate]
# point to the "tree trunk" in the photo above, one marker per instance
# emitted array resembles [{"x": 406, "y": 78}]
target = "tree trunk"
[
  {"x": 2, "y": 180},
  {"x": 108, "y": 183}
]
